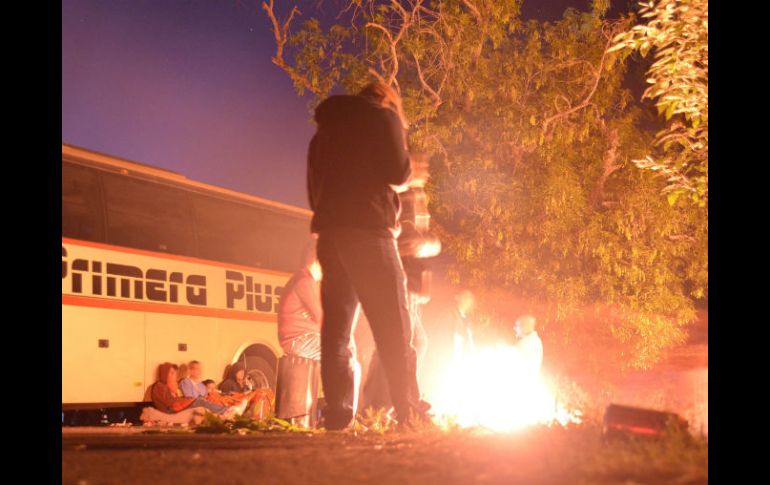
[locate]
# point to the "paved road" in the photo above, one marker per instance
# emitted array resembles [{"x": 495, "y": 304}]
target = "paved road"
[{"x": 542, "y": 456}]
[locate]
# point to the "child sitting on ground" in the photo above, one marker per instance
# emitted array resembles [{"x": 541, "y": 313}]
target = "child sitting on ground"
[{"x": 211, "y": 387}]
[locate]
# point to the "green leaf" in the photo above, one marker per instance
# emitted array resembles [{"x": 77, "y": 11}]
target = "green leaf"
[
  {"x": 670, "y": 111},
  {"x": 672, "y": 198},
  {"x": 511, "y": 204}
]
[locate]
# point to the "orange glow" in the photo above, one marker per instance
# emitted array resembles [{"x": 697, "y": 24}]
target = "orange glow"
[
  {"x": 429, "y": 248},
  {"x": 492, "y": 388}
]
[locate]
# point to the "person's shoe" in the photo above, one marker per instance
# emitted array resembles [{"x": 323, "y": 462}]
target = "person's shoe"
[
  {"x": 336, "y": 420},
  {"x": 335, "y": 424},
  {"x": 331, "y": 426},
  {"x": 241, "y": 407},
  {"x": 419, "y": 419},
  {"x": 423, "y": 407},
  {"x": 236, "y": 410}
]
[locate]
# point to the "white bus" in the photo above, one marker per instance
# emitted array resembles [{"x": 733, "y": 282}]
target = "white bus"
[{"x": 156, "y": 268}]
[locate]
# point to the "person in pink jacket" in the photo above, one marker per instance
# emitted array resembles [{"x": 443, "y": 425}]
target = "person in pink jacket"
[{"x": 299, "y": 311}]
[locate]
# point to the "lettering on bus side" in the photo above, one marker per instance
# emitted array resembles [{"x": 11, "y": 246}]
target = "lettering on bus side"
[
  {"x": 249, "y": 295},
  {"x": 113, "y": 279}
]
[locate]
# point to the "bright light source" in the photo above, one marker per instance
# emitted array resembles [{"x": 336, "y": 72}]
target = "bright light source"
[
  {"x": 429, "y": 248},
  {"x": 493, "y": 387}
]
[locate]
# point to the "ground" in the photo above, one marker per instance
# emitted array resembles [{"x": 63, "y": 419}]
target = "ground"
[
  {"x": 537, "y": 456},
  {"x": 104, "y": 456}
]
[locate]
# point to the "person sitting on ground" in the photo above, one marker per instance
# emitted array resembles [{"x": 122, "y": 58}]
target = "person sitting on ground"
[
  {"x": 191, "y": 385},
  {"x": 167, "y": 397},
  {"x": 237, "y": 386},
  {"x": 211, "y": 387},
  {"x": 236, "y": 381},
  {"x": 215, "y": 395}
]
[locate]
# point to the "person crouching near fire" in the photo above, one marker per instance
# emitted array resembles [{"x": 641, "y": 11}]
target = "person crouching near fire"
[
  {"x": 529, "y": 345},
  {"x": 299, "y": 310}
]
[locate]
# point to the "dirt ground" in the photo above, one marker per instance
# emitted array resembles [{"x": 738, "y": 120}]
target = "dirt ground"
[
  {"x": 538, "y": 456},
  {"x": 106, "y": 456}
]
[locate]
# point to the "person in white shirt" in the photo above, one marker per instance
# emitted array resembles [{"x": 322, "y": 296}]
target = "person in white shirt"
[
  {"x": 529, "y": 344},
  {"x": 461, "y": 323}
]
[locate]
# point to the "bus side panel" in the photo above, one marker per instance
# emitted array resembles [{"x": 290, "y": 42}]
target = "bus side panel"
[
  {"x": 214, "y": 311},
  {"x": 199, "y": 335},
  {"x": 94, "y": 374},
  {"x": 215, "y": 343}
]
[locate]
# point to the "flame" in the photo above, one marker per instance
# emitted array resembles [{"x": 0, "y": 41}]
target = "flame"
[
  {"x": 429, "y": 248},
  {"x": 493, "y": 387}
]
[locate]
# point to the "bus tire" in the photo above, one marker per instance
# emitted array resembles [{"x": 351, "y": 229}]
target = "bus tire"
[{"x": 260, "y": 371}]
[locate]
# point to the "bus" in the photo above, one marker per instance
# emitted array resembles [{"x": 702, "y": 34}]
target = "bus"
[{"x": 159, "y": 268}]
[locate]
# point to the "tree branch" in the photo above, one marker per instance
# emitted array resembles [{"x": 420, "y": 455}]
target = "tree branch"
[
  {"x": 474, "y": 10},
  {"x": 393, "y": 54},
  {"x": 482, "y": 25},
  {"x": 281, "y": 33},
  {"x": 610, "y": 157},
  {"x": 407, "y": 18},
  {"x": 547, "y": 122},
  {"x": 436, "y": 98}
]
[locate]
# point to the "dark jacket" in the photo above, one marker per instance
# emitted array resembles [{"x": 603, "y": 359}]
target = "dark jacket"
[
  {"x": 230, "y": 385},
  {"x": 358, "y": 151}
]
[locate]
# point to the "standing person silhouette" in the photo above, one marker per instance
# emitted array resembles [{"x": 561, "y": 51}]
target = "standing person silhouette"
[
  {"x": 415, "y": 244},
  {"x": 357, "y": 162}
]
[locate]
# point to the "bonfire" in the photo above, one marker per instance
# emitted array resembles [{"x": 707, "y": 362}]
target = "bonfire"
[{"x": 495, "y": 388}]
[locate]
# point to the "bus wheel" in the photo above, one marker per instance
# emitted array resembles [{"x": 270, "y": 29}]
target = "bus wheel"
[{"x": 261, "y": 373}]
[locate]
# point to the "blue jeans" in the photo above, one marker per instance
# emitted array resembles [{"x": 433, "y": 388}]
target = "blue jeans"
[
  {"x": 213, "y": 407},
  {"x": 375, "y": 392},
  {"x": 362, "y": 269}
]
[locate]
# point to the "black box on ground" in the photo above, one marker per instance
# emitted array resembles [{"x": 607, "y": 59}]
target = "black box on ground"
[{"x": 625, "y": 421}]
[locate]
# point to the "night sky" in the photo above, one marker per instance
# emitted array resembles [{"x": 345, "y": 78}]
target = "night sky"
[{"x": 189, "y": 86}]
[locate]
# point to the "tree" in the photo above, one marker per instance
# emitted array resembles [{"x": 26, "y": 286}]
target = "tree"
[
  {"x": 677, "y": 32},
  {"x": 532, "y": 135}
]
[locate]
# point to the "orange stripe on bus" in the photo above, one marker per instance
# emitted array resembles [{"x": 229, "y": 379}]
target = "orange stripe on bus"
[
  {"x": 161, "y": 308},
  {"x": 188, "y": 259}
]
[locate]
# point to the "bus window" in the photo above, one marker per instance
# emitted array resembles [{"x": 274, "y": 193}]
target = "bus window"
[
  {"x": 231, "y": 232},
  {"x": 81, "y": 207},
  {"x": 145, "y": 215},
  {"x": 290, "y": 235}
]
